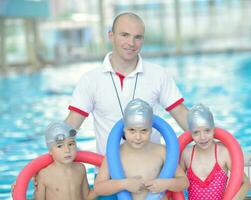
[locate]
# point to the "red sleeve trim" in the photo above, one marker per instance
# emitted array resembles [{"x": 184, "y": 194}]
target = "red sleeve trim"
[
  {"x": 81, "y": 112},
  {"x": 175, "y": 104}
]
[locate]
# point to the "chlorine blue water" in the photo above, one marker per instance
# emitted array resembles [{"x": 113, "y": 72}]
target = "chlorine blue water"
[{"x": 30, "y": 101}]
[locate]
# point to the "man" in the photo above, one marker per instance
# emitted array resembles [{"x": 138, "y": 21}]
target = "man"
[{"x": 105, "y": 91}]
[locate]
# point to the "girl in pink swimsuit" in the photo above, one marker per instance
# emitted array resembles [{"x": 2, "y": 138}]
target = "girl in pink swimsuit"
[{"x": 207, "y": 162}]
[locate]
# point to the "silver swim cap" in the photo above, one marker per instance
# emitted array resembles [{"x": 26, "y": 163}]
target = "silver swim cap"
[
  {"x": 200, "y": 115},
  {"x": 58, "y": 131},
  {"x": 138, "y": 112}
]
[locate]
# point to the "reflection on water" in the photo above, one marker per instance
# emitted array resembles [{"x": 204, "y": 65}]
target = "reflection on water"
[{"x": 30, "y": 102}]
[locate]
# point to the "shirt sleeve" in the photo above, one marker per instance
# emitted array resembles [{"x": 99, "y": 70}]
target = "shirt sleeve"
[
  {"x": 81, "y": 101},
  {"x": 170, "y": 95}
]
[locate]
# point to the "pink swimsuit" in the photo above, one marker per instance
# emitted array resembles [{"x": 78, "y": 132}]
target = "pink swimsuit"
[{"x": 212, "y": 188}]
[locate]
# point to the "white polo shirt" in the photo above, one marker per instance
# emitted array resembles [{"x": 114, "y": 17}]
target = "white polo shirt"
[{"x": 95, "y": 93}]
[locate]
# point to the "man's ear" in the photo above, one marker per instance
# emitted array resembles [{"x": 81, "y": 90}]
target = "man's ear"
[{"x": 110, "y": 35}]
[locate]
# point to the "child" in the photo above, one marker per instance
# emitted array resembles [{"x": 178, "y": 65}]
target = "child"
[
  {"x": 142, "y": 160},
  {"x": 63, "y": 179},
  {"x": 207, "y": 162}
]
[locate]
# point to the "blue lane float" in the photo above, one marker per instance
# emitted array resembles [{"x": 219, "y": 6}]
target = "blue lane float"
[{"x": 114, "y": 161}]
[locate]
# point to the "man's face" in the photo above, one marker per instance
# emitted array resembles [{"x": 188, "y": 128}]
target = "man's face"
[{"x": 127, "y": 38}]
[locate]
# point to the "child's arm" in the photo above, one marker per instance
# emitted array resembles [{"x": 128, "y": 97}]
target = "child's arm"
[
  {"x": 176, "y": 184},
  {"x": 40, "y": 188},
  {"x": 87, "y": 193},
  {"x": 103, "y": 185},
  {"x": 245, "y": 186},
  {"x": 184, "y": 158}
]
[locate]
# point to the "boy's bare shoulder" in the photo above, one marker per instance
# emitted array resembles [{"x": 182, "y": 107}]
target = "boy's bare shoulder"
[
  {"x": 79, "y": 167},
  {"x": 158, "y": 147},
  {"x": 50, "y": 170},
  {"x": 157, "y": 150},
  {"x": 45, "y": 173}
]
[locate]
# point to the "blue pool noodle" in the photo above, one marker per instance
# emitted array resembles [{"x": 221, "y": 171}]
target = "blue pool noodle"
[{"x": 114, "y": 161}]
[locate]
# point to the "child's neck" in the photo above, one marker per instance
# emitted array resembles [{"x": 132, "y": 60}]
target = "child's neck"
[
  {"x": 62, "y": 166},
  {"x": 208, "y": 150},
  {"x": 143, "y": 149}
]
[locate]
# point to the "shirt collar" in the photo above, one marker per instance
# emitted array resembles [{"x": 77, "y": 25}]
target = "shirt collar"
[{"x": 108, "y": 67}]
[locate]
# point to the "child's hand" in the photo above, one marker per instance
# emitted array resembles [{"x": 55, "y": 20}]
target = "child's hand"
[
  {"x": 35, "y": 182},
  {"x": 135, "y": 184},
  {"x": 92, "y": 195},
  {"x": 155, "y": 185},
  {"x": 12, "y": 188}
]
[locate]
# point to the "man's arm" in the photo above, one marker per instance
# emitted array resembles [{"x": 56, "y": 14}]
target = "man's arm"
[
  {"x": 179, "y": 113},
  {"x": 75, "y": 119},
  {"x": 88, "y": 194},
  {"x": 40, "y": 188}
]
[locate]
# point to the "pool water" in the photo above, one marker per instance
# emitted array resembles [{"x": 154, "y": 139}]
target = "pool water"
[{"x": 29, "y": 102}]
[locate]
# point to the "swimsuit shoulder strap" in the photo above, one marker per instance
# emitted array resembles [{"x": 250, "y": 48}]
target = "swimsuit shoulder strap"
[{"x": 191, "y": 160}]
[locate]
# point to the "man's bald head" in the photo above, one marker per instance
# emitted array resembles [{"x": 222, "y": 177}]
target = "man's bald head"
[{"x": 130, "y": 15}]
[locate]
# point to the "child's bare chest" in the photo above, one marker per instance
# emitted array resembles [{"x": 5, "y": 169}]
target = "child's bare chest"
[
  {"x": 65, "y": 186},
  {"x": 146, "y": 166}
]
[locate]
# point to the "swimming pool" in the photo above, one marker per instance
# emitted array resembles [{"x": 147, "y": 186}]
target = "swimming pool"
[{"x": 30, "y": 101}]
